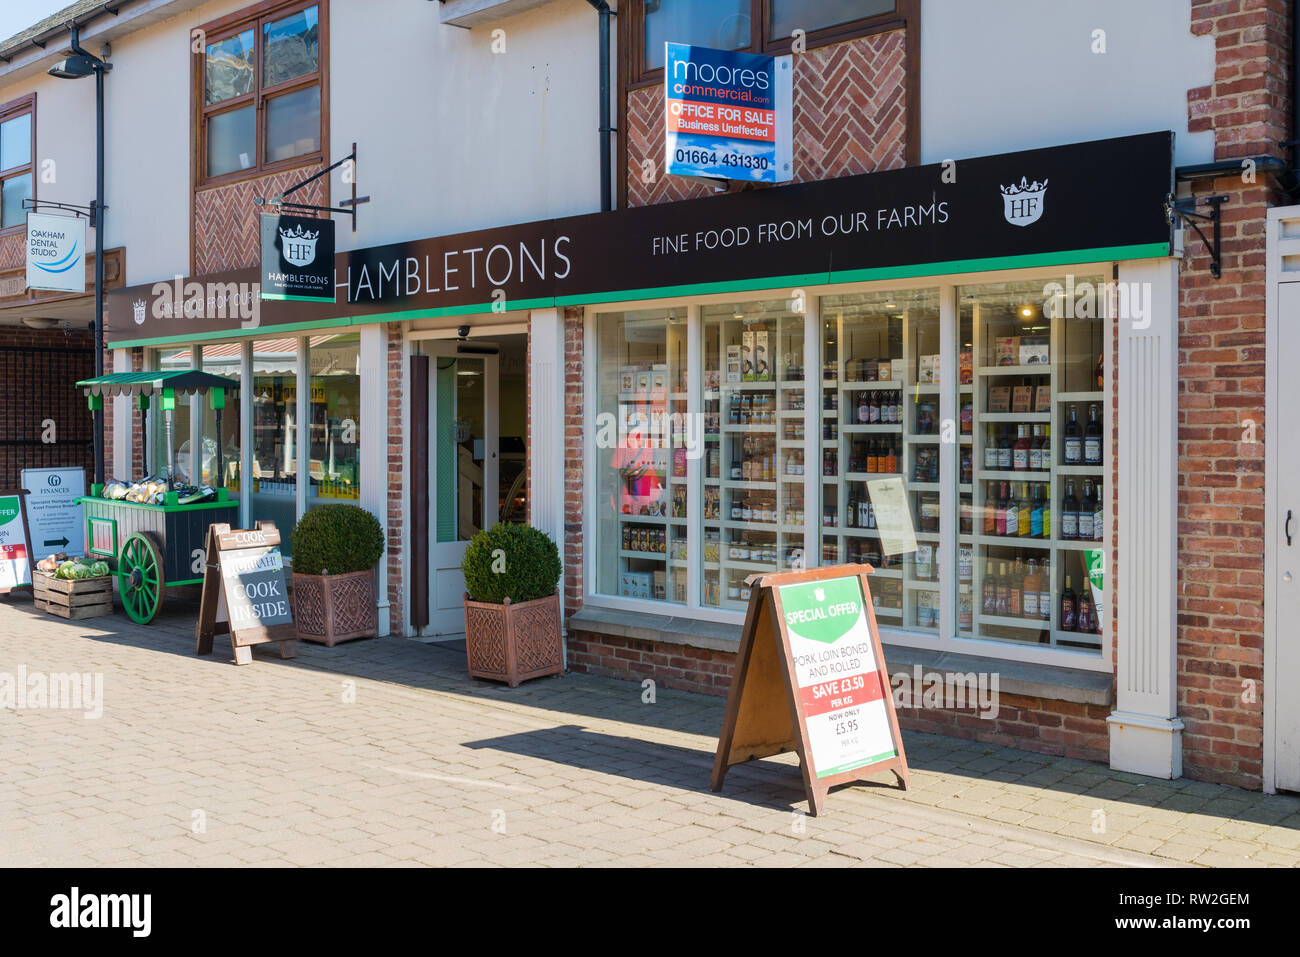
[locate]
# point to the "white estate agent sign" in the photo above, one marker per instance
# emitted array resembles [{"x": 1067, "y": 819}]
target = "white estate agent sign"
[
  {"x": 56, "y": 252},
  {"x": 54, "y": 519}
]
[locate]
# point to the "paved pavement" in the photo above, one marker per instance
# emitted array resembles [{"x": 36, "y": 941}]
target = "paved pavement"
[{"x": 384, "y": 753}]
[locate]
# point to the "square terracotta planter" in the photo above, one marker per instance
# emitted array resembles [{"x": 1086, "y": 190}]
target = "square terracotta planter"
[
  {"x": 333, "y": 608},
  {"x": 513, "y": 642}
]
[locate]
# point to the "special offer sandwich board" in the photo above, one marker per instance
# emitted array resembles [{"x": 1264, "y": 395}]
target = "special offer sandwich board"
[
  {"x": 15, "y": 544},
  {"x": 811, "y": 678}
]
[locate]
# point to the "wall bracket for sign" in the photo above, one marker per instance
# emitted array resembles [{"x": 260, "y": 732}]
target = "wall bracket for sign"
[
  {"x": 36, "y": 205},
  {"x": 1185, "y": 210},
  {"x": 347, "y": 206}
]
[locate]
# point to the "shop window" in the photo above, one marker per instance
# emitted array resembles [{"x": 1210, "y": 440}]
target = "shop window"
[
  {"x": 17, "y": 120},
  {"x": 641, "y": 455},
  {"x": 880, "y": 443},
  {"x": 1033, "y": 506},
  {"x": 171, "y": 360},
  {"x": 335, "y": 461},
  {"x": 763, "y": 26},
  {"x": 223, "y": 360},
  {"x": 754, "y": 462},
  {"x": 274, "y": 482},
  {"x": 271, "y": 67}
]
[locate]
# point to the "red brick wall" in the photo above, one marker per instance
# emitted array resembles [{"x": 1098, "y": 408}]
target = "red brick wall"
[
  {"x": 227, "y": 223},
  {"x": 1221, "y": 392},
  {"x": 573, "y": 457},
  {"x": 849, "y": 117},
  {"x": 396, "y": 480},
  {"x": 28, "y": 397}
]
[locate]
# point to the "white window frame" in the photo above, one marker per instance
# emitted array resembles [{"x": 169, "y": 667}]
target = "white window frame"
[{"x": 947, "y": 285}]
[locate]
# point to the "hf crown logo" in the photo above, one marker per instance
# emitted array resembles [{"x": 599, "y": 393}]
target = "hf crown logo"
[
  {"x": 1023, "y": 204},
  {"x": 299, "y": 245},
  {"x": 137, "y": 312}
]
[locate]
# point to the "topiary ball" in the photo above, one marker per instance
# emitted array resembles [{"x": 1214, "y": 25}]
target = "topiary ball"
[
  {"x": 336, "y": 540},
  {"x": 518, "y": 562}
]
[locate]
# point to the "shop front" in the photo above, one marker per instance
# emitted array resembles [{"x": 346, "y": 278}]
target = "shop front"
[{"x": 914, "y": 369}]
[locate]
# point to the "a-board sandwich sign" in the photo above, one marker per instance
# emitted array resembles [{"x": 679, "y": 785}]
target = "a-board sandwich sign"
[
  {"x": 727, "y": 115},
  {"x": 245, "y": 593},
  {"x": 55, "y": 520},
  {"x": 15, "y": 547},
  {"x": 811, "y": 678}
]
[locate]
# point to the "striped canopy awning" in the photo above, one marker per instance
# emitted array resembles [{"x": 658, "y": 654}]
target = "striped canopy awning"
[{"x": 188, "y": 382}]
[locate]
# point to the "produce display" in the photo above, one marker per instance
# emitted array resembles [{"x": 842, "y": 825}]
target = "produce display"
[
  {"x": 61, "y": 566},
  {"x": 152, "y": 489}
]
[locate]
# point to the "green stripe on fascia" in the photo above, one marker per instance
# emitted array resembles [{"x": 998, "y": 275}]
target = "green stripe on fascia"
[
  {"x": 279, "y": 297},
  {"x": 473, "y": 309},
  {"x": 263, "y": 332},
  {"x": 697, "y": 289},
  {"x": 1147, "y": 251}
]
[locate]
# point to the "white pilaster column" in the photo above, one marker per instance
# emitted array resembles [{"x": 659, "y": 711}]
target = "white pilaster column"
[
  {"x": 545, "y": 451},
  {"x": 1145, "y": 730},
  {"x": 125, "y": 416}
]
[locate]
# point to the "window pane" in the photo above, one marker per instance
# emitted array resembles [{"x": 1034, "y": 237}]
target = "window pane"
[
  {"x": 228, "y": 68},
  {"x": 168, "y": 360},
  {"x": 16, "y": 142},
  {"x": 880, "y": 443},
  {"x": 12, "y": 193},
  {"x": 293, "y": 124},
  {"x": 1039, "y": 486},
  {"x": 232, "y": 140},
  {"x": 753, "y": 478},
  {"x": 335, "y": 420},
  {"x": 809, "y": 15},
  {"x": 222, "y": 360},
  {"x": 290, "y": 47},
  {"x": 641, "y": 455},
  {"x": 275, "y": 434},
  {"x": 721, "y": 24}
]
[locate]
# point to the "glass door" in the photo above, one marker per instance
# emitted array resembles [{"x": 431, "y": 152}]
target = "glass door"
[{"x": 463, "y": 468}]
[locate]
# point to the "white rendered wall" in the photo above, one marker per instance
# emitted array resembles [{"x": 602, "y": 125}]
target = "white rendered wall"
[{"x": 999, "y": 76}]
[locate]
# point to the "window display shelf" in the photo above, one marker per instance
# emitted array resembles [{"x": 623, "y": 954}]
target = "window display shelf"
[
  {"x": 647, "y": 556},
  {"x": 1007, "y": 621},
  {"x": 1015, "y": 541},
  {"x": 1065, "y": 398},
  {"x": 1084, "y": 470},
  {"x": 1078, "y": 544},
  {"x": 1090, "y": 638},
  {"x": 870, "y": 476},
  {"x": 922, "y": 585},
  {"x": 1013, "y": 476},
  {"x": 1017, "y": 418},
  {"x": 856, "y": 386},
  {"x": 1033, "y": 369}
]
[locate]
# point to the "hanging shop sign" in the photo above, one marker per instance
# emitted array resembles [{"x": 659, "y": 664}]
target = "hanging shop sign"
[
  {"x": 810, "y": 677},
  {"x": 54, "y": 515},
  {"x": 727, "y": 115},
  {"x": 1088, "y": 202},
  {"x": 15, "y": 546},
  {"x": 56, "y": 252},
  {"x": 244, "y": 592},
  {"x": 297, "y": 258}
]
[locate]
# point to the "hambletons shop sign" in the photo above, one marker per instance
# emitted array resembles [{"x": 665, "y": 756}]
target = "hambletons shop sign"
[
  {"x": 994, "y": 212},
  {"x": 727, "y": 115}
]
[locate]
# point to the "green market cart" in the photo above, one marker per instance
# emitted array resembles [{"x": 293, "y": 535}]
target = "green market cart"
[{"x": 150, "y": 547}]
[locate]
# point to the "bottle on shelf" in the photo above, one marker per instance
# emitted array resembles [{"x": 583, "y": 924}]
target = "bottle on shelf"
[
  {"x": 991, "y": 453},
  {"x": 966, "y": 472},
  {"x": 1092, "y": 437},
  {"x": 1020, "y": 451},
  {"x": 1036, "y": 513},
  {"x": 1032, "y": 584},
  {"x": 1073, "y": 438},
  {"x": 891, "y": 459},
  {"x": 1024, "y": 513},
  {"x": 1069, "y": 612},
  {"x": 1086, "y": 618},
  {"x": 1013, "y": 511},
  {"x": 990, "y": 523},
  {"x": 990, "y": 586},
  {"x": 1100, "y": 373},
  {"x": 1045, "y": 590},
  {"x": 1015, "y": 590},
  {"x": 1069, "y": 514},
  {"x": 1086, "y": 512},
  {"x": 1003, "y": 590},
  {"x": 1000, "y": 527},
  {"x": 1098, "y": 513},
  {"x": 1005, "y": 454},
  {"x": 1045, "y": 453}
]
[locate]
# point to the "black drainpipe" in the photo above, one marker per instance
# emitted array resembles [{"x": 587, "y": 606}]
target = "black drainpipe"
[{"x": 606, "y": 156}]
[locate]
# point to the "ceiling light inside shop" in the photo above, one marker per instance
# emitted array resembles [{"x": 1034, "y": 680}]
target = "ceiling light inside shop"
[{"x": 39, "y": 322}]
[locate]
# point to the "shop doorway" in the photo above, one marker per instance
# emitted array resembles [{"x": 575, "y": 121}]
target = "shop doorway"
[
  {"x": 1282, "y": 484},
  {"x": 477, "y": 402}
]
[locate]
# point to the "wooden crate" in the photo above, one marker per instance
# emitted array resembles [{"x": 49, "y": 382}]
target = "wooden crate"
[{"x": 71, "y": 598}]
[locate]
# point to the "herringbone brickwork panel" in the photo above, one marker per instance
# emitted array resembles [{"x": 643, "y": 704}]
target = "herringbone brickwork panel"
[
  {"x": 226, "y": 221},
  {"x": 849, "y": 117},
  {"x": 13, "y": 251}
]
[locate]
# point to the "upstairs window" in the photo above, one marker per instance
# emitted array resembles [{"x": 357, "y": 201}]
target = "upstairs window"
[
  {"x": 17, "y": 119},
  {"x": 755, "y": 26},
  {"x": 260, "y": 89}
]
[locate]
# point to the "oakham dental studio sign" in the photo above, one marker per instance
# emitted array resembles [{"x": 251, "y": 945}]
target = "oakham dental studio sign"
[
  {"x": 56, "y": 253},
  {"x": 995, "y": 212}
]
